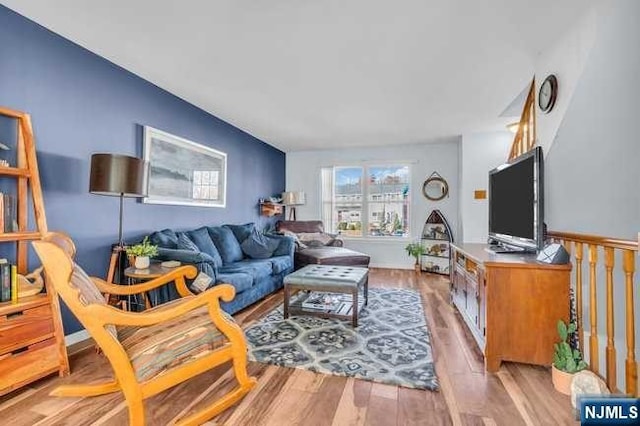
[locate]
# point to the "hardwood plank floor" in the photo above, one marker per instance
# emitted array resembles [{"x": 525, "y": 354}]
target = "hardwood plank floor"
[{"x": 517, "y": 395}]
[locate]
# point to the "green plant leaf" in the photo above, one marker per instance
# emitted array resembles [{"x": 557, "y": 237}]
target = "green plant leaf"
[
  {"x": 565, "y": 350},
  {"x": 572, "y": 328},
  {"x": 571, "y": 366},
  {"x": 577, "y": 355},
  {"x": 582, "y": 365},
  {"x": 562, "y": 330}
]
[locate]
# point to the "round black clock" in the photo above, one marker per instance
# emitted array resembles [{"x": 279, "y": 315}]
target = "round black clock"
[{"x": 548, "y": 93}]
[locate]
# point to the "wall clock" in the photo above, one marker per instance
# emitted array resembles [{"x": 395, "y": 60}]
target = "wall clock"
[{"x": 548, "y": 93}]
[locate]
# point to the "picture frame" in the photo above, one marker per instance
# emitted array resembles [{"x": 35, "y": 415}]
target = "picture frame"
[{"x": 183, "y": 172}]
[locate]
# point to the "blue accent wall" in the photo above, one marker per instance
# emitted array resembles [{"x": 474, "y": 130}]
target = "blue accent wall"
[{"x": 80, "y": 104}]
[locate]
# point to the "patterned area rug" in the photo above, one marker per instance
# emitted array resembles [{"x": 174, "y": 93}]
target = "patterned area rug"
[{"x": 390, "y": 345}]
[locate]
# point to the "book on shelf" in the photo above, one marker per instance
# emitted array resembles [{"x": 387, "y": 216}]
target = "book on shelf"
[
  {"x": 8, "y": 282},
  {"x": 8, "y": 213}
]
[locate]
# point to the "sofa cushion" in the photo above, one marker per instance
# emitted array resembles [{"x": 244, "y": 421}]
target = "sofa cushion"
[
  {"x": 166, "y": 238},
  {"x": 202, "y": 239},
  {"x": 171, "y": 343},
  {"x": 241, "y": 232},
  {"x": 257, "y": 268},
  {"x": 241, "y": 281},
  {"x": 258, "y": 246},
  {"x": 227, "y": 244},
  {"x": 184, "y": 243},
  {"x": 281, "y": 264}
]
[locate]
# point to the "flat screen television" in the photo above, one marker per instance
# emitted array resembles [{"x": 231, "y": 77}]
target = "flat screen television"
[{"x": 516, "y": 203}]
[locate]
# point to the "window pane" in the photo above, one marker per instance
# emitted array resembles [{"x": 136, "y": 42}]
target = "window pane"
[
  {"x": 389, "y": 219},
  {"x": 390, "y": 183},
  {"x": 347, "y": 211},
  {"x": 388, "y": 201}
]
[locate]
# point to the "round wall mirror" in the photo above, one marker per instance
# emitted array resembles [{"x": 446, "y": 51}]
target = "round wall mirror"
[{"x": 435, "y": 188}]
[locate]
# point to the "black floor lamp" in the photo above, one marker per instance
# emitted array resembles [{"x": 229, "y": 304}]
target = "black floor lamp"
[{"x": 117, "y": 176}]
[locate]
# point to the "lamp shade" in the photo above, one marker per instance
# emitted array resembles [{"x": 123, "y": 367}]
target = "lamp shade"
[
  {"x": 117, "y": 175},
  {"x": 293, "y": 198}
]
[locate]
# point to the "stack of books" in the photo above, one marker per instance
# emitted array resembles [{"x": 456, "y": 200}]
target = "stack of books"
[
  {"x": 337, "y": 303},
  {"x": 8, "y": 282}
]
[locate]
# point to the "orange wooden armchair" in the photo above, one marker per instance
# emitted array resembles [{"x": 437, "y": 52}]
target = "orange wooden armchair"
[{"x": 153, "y": 350}]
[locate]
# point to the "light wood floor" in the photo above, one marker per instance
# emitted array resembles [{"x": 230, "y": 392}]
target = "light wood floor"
[{"x": 518, "y": 394}]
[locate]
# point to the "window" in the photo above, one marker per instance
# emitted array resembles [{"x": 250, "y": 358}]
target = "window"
[{"x": 366, "y": 200}]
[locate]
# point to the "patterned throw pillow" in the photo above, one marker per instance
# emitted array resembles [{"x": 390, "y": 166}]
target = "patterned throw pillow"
[
  {"x": 184, "y": 243},
  {"x": 315, "y": 238}
]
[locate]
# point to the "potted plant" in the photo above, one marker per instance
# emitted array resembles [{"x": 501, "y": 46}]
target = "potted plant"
[
  {"x": 141, "y": 253},
  {"x": 566, "y": 360},
  {"x": 416, "y": 250}
]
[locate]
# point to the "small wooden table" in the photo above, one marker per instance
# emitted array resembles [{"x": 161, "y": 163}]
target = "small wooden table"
[
  {"x": 134, "y": 275},
  {"x": 327, "y": 278}
]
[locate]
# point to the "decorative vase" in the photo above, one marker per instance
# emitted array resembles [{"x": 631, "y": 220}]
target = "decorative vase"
[
  {"x": 561, "y": 380},
  {"x": 142, "y": 262}
]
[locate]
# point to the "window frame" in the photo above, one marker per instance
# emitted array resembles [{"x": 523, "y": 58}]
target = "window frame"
[{"x": 365, "y": 208}]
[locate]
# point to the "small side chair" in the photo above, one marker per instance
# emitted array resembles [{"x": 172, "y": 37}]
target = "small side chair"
[{"x": 153, "y": 350}]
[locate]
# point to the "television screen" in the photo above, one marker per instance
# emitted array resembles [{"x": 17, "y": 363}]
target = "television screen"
[
  {"x": 512, "y": 200},
  {"x": 515, "y": 201}
]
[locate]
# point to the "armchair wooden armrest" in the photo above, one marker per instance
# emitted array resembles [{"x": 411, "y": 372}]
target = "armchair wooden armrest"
[
  {"x": 177, "y": 275},
  {"x": 108, "y": 315}
]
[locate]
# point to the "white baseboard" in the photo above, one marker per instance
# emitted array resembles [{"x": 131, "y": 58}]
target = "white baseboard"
[{"x": 76, "y": 337}]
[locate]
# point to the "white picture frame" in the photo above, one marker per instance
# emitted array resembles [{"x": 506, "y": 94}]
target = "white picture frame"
[{"x": 183, "y": 172}]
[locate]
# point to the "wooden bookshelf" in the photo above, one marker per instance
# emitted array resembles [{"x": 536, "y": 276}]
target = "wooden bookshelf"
[{"x": 31, "y": 334}]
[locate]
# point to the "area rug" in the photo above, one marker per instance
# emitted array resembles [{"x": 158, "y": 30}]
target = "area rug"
[{"x": 390, "y": 345}]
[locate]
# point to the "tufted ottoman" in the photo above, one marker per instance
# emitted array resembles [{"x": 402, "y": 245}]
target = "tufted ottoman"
[{"x": 349, "y": 280}]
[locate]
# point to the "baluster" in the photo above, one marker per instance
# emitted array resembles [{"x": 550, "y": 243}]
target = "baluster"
[
  {"x": 578, "y": 256},
  {"x": 631, "y": 372},
  {"x": 593, "y": 311},
  {"x": 611, "y": 349}
]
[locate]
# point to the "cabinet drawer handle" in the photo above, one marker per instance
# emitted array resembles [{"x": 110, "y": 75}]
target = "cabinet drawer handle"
[{"x": 15, "y": 315}]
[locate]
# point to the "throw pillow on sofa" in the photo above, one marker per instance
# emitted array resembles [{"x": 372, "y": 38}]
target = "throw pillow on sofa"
[
  {"x": 203, "y": 241},
  {"x": 226, "y": 243},
  {"x": 184, "y": 243},
  {"x": 258, "y": 246},
  {"x": 315, "y": 239},
  {"x": 241, "y": 232}
]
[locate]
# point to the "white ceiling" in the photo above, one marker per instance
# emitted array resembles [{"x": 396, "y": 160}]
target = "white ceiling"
[{"x": 308, "y": 74}]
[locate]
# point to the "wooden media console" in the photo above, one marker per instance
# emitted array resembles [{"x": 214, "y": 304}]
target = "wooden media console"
[{"x": 510, "y": 302}]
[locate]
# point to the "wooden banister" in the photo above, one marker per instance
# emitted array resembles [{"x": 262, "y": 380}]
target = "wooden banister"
[
  {"x": 574, "y": 243},
  {"x": 525, "y": 138}
]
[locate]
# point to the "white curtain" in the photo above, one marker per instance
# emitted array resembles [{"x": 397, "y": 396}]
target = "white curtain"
[{"x": 326, "y": 191}]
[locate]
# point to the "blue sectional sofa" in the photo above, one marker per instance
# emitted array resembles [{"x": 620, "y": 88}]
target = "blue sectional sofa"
[{"x": 228, "y": 254}]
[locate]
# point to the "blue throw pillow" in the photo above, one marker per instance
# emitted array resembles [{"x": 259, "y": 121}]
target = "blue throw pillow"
[
  {"x": 226, "y": 243},
  {"x": 241, "y": 232},
  {"x": 184, "y": 243},
  {"x": 165, "y": 238},
  {"x": 258, "y": 246},
  {"x": 203, "y": 241}
]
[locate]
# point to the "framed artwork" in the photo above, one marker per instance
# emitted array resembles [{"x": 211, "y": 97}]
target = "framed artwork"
[{"x": 183, "y": 172}]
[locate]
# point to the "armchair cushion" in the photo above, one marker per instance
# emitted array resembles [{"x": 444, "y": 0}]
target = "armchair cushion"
[
  {"x": 88, "y": 293},
  {"x": 168, "y": 344},
  {"x": 226, "y": 243},
  {"x": 202, "y": 239}
]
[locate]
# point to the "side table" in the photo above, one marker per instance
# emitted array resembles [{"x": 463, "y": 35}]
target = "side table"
[{"x": 134, "y": 275}]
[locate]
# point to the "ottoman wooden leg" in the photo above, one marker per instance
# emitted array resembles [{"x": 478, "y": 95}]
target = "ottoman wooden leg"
[
  {"x": 287, "y": 295},
  {"x": 354, "y": 320}
]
